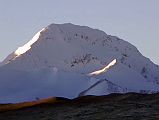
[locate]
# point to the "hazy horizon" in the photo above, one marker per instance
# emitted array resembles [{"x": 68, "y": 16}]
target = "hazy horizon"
[{"x": 134, "y": 21}]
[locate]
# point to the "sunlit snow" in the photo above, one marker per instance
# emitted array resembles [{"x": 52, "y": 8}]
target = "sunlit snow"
[
  {"x": 104, "y": 69},
  {"x": 27, "y": 46}
]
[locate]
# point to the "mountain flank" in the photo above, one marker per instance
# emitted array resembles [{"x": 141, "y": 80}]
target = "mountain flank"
[{"x": 67, "y": 60}]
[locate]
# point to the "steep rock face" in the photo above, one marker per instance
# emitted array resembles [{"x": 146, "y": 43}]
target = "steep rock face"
[{"x": 82, "y": 50}]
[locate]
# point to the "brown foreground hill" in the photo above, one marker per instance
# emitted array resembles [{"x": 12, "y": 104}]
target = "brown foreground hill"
[{"x": 130, "y": 106}]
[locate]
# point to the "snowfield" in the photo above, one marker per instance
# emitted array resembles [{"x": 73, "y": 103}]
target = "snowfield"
[{"x": 67, "y": 60}]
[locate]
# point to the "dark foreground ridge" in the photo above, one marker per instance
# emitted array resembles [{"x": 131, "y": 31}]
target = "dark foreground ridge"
[{"x": 130, "y": 106}]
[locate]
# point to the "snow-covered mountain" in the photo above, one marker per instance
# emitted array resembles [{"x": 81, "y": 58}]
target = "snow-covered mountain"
[{"x": 67, "y": 60}]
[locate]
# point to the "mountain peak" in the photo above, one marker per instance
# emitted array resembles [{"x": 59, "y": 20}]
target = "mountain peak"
[{"x": 57, "y": 60}]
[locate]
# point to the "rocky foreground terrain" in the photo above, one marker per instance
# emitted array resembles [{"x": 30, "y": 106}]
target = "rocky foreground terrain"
[{"x": 130, "y": 106}]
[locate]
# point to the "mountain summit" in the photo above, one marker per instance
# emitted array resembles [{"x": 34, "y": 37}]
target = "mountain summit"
[{"x": 66, "y": 60}]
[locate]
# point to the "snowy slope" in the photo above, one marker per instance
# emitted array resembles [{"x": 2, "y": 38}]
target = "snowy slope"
[
  {"x": 76, "y": 53},
  {"x": 19, "y": 86},
  {"x": 103, "y": 87}
]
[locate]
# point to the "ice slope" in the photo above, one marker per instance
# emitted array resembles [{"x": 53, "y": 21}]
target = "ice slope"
[{"x": 74, "y": 52}]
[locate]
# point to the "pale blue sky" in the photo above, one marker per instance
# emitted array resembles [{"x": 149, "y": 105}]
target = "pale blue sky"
[{"x": 136, "y": 21}]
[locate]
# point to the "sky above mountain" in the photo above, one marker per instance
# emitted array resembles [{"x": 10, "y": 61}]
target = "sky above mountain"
[{"x": 134, "y": 21}]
